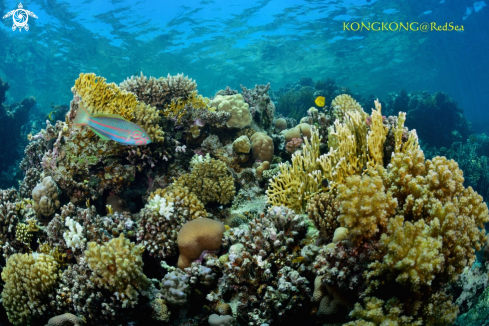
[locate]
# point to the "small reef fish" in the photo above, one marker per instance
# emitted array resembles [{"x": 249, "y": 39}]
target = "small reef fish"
[
  {"x": 320, "y": 101},
  {"x": 297, "y": 260},
  {"x": 112, "y": 127}
]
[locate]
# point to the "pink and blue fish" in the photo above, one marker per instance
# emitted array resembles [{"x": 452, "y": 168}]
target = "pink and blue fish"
[{"x": 112, "y": 127}]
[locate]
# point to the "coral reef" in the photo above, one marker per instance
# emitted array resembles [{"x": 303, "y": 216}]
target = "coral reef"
[
  {"x": 261, "y": 252},
  {"x": 326, "y": 215},
  {"x": 100, "y": 97},
  {"x": 238, "y": 109}
]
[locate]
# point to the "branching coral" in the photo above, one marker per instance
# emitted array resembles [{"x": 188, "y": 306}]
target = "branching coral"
[
  {"x": 28, "y": 280},
  {"x": 344, "y": 104},
  {"x": 159, "y": 92},
  {"x": 323, "y": 209},
  {"x": 296, "y": 184},
  {"x": 100, "y": 97},
  {"x": 118, "y": 267},
  {"x": 210, "y": 181},
  {"x": 364, "y": 206}
]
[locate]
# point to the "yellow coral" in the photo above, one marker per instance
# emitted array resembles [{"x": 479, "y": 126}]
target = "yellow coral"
[
  {"x": 28, "y": 279},
  {"x": 160, "y": 310},
  {"x": 344, "y": 104},
  {"x": 210, "y": 181},
  {"x": 347, "y": 149},
  {"x": 323, "y": 210},
  {"x": 236, "y": 106},
  {"x": 376, "y": 312},
  {"x": 178, "y": 108},
  {"x": 185, "y": 201},
  {"x": 439, "y": 224},
  {"x": 118, "y": 267},
  {"x": 376, "y": 136},
  {"x": 365, "y": 206},
  {"x": 296, "y": 184},
  {"x": 101, "y": 97},
  {"x": 411, "y": 253}
]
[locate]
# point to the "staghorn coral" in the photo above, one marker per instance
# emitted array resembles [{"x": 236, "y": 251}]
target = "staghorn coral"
[
  {"x": 118, "y": 267},
  {"x": 210, "y": 181},
  {"x": 28, "y": 279},
  {"x": 101, "y": 97}
]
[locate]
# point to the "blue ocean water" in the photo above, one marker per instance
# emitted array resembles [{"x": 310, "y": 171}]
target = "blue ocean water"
[{"x": 427, "y": 58}]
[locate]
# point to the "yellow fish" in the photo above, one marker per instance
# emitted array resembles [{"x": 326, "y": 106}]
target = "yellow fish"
[
  {"x": 297, "y": 260},
  {"x": 320, "y": 100}
]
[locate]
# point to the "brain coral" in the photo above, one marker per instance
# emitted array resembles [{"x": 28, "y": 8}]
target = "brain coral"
[
  {"x": 236, "y": 106},
  {"x": 195, "y": 237}
]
